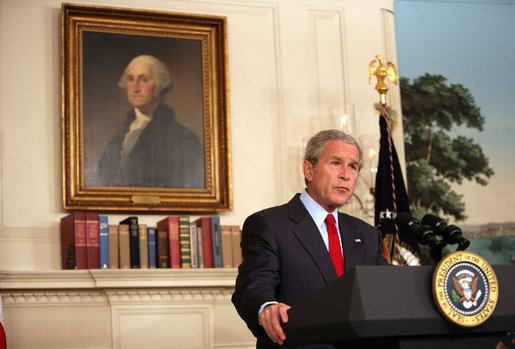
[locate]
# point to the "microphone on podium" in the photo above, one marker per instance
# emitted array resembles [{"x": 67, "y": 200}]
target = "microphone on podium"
[
  {"x": 423, "y": 233},
  {"x": 450, "y": 234}
]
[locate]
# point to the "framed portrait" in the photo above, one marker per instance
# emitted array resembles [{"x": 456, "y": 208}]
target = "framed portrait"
[{"x": 145, "y": 113}]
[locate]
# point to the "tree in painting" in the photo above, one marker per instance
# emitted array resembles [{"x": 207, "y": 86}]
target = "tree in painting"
[{"x": 436, "y": 158}]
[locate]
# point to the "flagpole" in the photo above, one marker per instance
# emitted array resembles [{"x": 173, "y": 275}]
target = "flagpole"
[
  {"x": 395, "y": 251},
  {"x": 381, "y": 71}
]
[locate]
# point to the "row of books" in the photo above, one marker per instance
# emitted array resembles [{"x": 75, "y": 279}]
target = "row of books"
[{"x": 90, "y": 241}]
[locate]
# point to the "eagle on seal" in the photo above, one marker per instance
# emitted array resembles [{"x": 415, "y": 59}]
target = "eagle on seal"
[{"x": 466, "y": 294}]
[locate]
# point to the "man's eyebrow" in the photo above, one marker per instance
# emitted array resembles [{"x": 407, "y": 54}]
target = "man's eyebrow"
[
  {"x": 341, "y": 159},
  {"x": 140, "y": 74}
]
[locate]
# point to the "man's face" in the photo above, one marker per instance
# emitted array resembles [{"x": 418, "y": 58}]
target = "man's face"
[
  {"x": 331, "y": 183},
  {"x": 141, "y": 86}
]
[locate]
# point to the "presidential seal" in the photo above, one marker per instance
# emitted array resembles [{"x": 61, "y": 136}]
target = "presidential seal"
[{"x": 465, "y": 288}]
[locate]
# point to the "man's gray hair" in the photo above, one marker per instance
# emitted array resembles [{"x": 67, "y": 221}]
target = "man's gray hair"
[
  {"x": 161, "y": 73},
  {"x": 316, "y": 144}
]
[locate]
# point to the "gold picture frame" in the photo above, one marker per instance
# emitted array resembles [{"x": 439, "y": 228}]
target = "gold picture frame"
[{"x": 182, "y": 163}]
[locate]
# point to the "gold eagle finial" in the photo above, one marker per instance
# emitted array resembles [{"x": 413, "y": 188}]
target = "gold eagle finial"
[{"x": 381, "y": 72}]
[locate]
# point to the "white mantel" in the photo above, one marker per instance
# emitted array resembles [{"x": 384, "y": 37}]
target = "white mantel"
[
  {"x": 125, "y": 308},
  {"x": 117, "y": 278}
]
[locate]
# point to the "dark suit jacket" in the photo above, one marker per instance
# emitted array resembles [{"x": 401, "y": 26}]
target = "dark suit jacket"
[
  {"x": 285, "y": 259},
  {"x": 166, "y": 155}
]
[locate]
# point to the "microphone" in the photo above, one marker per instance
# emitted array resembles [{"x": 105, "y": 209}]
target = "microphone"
[
  {"x": 423, "y": 233},
  {"x": 451, "y": 234}
]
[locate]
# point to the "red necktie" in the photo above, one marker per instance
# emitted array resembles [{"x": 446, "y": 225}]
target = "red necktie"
[{"x": 335, "y": 250}]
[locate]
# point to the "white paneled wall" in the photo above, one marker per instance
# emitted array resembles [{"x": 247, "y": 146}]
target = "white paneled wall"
[{"x": 293, "y": 67}]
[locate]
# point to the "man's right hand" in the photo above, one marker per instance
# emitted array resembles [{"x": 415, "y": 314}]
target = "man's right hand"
[{"x": 272, "y": 318}]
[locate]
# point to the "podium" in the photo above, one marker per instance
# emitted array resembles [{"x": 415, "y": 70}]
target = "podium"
[{"x": 393, "y": 307}]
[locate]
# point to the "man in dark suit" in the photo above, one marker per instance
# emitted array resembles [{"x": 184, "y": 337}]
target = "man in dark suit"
[
  {"x": 152, "y": 149},
  {"x": 292, "y": 250}
]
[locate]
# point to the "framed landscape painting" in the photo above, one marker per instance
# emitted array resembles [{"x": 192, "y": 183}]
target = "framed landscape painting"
[{"x": 145, "y": 123}]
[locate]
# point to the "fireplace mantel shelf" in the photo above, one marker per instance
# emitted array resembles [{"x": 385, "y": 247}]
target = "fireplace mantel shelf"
[{"x": 117, "y": 278}]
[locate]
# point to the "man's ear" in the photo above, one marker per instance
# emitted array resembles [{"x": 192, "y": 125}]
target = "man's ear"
[{"x": 307, "y": 168}]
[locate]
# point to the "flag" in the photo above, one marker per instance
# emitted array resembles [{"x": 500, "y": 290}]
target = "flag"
[
  {"x": 390, "y": 198},
  {"x": 3, "y": 338}
]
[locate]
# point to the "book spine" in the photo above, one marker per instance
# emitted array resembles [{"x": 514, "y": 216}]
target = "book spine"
[
  {"x": 216, "y": 239},
  {"x": 92, "y": 241},
  {"x": 174, "y": 246},
  {"x": 185, "y": 242},
  {"x": 171, "y": 224},
  {"x": 113, "y": 247},
  {"x": 134, "y": 241},
  {"x": 80, "y": 241},
  {"x": 124, "y": 244},
  {"x": 73, "y": 241},
  {"x": 226, "y": 246},
  {"x": 152, "y": 247},
  {"x": 163, "y": 257},
  {"x": 193, "y": 245},
  {"x": 143, "y": 246},
  {"x": 207, "y": 245},
  {"x": 103, "y": 232},
  {"x": 200, "y": 247}
]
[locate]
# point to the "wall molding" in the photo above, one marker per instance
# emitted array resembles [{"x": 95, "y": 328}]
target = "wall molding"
[{"x": 104, "y": 278}]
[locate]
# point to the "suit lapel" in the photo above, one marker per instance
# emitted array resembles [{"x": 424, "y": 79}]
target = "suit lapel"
[
  {"x": 309, "y": 236},
  {"x": 353, "y": 242}
]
